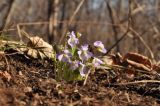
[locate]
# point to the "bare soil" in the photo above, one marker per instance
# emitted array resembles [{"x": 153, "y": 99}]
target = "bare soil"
[{"x": 32, "y": 83}]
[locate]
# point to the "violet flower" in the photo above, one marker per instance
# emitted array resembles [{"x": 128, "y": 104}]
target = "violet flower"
[
  {"x": 96, "y": 62},
  {"x": 100, "y": 47},
  {"x": 83, "y": 70},
  {"x": 74, "y": 65},
  {"x": 84, "y": 54},
  {"x": 65, "y": 57},
  {"x": 67, "y": 53},
  {"x": 72, "y": 41}
]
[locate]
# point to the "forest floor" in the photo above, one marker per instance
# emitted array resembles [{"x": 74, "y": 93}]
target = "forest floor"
[{"x": 31, "y": 82}]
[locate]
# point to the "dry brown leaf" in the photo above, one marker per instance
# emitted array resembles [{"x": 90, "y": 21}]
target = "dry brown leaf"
[
  {"x": 38, "y": 48},
  {"x": 138, "y": 61},
  {"x": 32, "y": 52},
  {"x": 138, "y": 65},
  {"x": 156, "y": 67}
]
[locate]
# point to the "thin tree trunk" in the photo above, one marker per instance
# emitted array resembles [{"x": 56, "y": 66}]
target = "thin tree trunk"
[
  {"x": 53, "y": 20},
  {"x": 113, "y": 23},
  {"x": 6, "y": 15}
]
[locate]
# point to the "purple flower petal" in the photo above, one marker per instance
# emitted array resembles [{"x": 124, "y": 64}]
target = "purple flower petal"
[
  {"x": 84, "y": 47},
  {"x": 96, "y": 62},
  {"x": 83, "y": 70},
  {"x": 74, "y": 65},
  {"x": 98, "y": 43},
  {"x": 67, "y": 53},
  {"x": 84, "y": 54},
  {"x": 72, "y": 34},
  {"x": 64, "y": 58},
  {"x": 72, "y": 41},
  {"x": 100, "y": 47}
]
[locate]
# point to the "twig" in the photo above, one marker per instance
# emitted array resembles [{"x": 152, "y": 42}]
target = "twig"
[
  {"x": 65, "y": 21},
  {"x": 85, "y": 81},
  {"x": 7, "y": 63},
  {"x": 75, "y": 12},
  {"x": 127, "y": 96},
  {"x": 25, "y": 34},
  {"x": 8, "y": 30},
  {"x": 144, "y": 43},
  {"x": 107, "y": 66},
  {"x": 9, "y": 54},
  {"x": 137, "y": 82},
  {"x": 117, "y": 42},
  {"x": 19, "y": 32}
]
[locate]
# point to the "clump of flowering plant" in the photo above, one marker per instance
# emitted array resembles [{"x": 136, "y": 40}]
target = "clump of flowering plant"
[{"x": 73, "y": 62}]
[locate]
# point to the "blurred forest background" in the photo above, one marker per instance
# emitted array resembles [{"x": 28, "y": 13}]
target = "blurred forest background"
[{"x": 135, "y": 23}]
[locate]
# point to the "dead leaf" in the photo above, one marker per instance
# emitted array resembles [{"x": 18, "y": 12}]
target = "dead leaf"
[
  {"x": 138, "y": 58},
  {"x": 138, "y": 65},
  {"x": 32, "y": 52},
  {"x": 38, "y": 48},
  {"x": 138, "y": 61},
  {"x": 156, "y": 67}
]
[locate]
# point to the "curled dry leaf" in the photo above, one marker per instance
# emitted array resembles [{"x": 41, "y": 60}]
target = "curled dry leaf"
[
  {"x": 156, "y": 67},
  {"x": 38, "y": 48},
  {"x": 138, "y": 61},
  {"x": 138, "y": 65}
]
